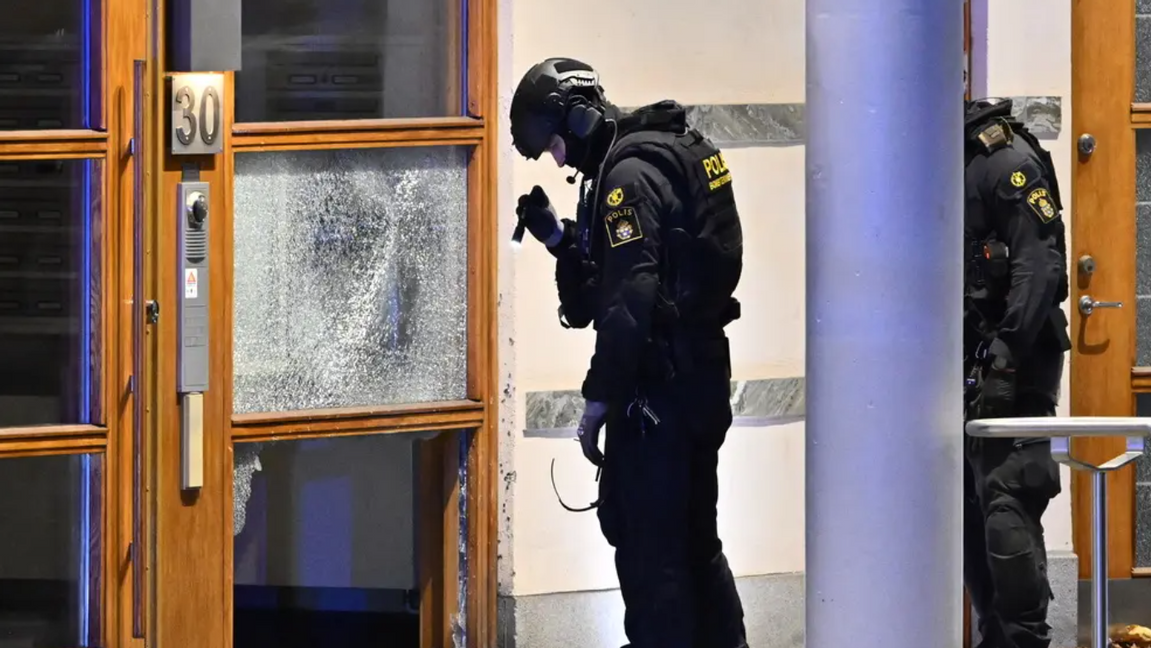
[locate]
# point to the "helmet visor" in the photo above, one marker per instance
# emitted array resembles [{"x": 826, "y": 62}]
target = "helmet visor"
[{"x": 532, "y": 134}]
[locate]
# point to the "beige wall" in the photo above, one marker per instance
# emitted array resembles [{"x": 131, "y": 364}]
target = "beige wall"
[
  {"x": 735, "y": 51},
  {"x": 1029, "y": 53},
  {"x": 727, "y": 51},
  {"x": 708, "y": 59}
]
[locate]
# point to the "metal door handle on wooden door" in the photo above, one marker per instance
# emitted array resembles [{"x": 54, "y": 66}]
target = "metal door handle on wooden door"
[
  {"x": 1087, "y": 305},
  {"x": 139, "y": 323}
]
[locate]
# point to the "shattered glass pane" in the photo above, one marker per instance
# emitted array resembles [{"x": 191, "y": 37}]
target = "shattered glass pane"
[
  {"x": 246, "y": 462},
  {"x": 350, "y": 278}
]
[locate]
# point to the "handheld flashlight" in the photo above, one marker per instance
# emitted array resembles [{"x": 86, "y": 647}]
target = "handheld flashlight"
[{"x": 518, "y": 234}]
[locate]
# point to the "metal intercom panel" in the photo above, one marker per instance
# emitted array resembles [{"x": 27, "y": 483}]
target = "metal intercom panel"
[{"x": 193, "y": 224}]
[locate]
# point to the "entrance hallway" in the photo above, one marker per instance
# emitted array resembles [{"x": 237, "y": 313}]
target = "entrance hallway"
[{"x": 271, "y": 375}]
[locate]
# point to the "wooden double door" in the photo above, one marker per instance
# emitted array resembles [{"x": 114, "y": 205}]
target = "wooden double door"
[{"x": 246, "y": 386}]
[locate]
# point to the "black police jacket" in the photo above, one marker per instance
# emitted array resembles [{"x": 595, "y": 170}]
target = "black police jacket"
[
  {"x": 1013, "y": 210},
  {"x": 658, "y": 256}
]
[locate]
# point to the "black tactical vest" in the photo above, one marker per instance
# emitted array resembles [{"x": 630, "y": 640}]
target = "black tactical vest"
[
  {"x": 996, "y": 134},
  {"x": 703, "y": 242}
]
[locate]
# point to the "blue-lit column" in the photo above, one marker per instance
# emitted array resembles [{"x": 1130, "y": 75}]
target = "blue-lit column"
[{"x": 884, "y": 286}]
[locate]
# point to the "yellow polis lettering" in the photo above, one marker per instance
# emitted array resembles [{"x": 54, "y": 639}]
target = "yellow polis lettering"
[
  {"x": 717, "y": 172},
  {"x": 714, "y": 165},
  {"x": 719, "y": 182}
]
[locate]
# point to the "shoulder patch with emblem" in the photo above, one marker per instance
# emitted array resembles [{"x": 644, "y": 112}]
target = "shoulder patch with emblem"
[
  {"x": 615, "y": 197},
  {"x": 619, "y": 195},
  {"x": 622, "y": 227},
  {"x": 1014, "y": 177},
  {"x": 1040, "y": 202}
]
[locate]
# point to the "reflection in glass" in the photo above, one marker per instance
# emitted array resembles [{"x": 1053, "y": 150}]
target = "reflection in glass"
[
  {"x": 50, "y": 551},
  {"x": 1143, "y": 51},
  {"x": 326, "y": 545},
  {"x": 50, "y": 293},
  {"x": 1143, "y": 248},
  {"x": 1143, "y": 493},
  {"x": 49, "y": 65},
  {"x": 350, "y": 278},
  {"x": 350, "y": 59}
]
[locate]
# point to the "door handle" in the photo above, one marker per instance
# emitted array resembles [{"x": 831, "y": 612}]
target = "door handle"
[
  {"x": 1087, "y": 305},
  {"x": 139, "y": 313}
]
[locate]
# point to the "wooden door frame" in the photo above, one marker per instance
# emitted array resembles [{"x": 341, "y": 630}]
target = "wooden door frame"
[
  {"x": 117, "y": 39},
  {"x": 1103, "y": 225}
]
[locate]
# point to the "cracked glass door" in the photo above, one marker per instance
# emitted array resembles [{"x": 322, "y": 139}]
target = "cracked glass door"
[{"x": 359, "y": 361}]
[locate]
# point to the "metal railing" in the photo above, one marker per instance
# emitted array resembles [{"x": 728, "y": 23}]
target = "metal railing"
[{"x": 1061, "y": 430}]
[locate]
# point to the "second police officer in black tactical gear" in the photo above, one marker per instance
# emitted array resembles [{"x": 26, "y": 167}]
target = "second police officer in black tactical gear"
[
  {"x": 1015, "y": 337},
  {"x": 651, "y": 262}
]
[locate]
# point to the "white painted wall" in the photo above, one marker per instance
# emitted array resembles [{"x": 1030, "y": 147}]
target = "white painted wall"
[
  {"x": 646, "y": 53},
  {"x": 1029, "y": 53},
  {"x": 734, "y": 51}
]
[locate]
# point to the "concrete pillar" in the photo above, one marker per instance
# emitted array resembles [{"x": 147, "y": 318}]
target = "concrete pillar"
[{"x": 884, "y": 286}]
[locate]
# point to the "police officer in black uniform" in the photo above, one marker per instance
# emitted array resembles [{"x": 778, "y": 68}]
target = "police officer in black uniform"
[
  {"x": 651, "y": 262},
  {"x": 1014, "y": 341}
]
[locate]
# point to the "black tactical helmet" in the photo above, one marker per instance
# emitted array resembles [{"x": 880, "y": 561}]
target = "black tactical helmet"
[
  {"x": 542, "y": 102},
  {"x": 978, "y": 110}
]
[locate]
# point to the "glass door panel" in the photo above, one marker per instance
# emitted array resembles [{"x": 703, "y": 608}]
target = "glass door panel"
[
  {"x": 331, "y": 540},
  {"x": 51, "y": 319},
  {"x": 1142, "y": 51},
  {"x": 51, "y": 585},
  {"x": 1143, "y": 494},
  {"x": 50, "y": 54},
  {"x": 1142, "y": 279},
  {"x": 351, "y": 278},
  {"x": 66, "y": 405},
  {"x": 335, "y": 59},
  {"x": 358, "y": 320},
  {"x": 49, "y": 61}
]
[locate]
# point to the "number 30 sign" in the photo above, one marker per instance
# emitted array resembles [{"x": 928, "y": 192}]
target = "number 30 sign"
[{"x": 197, "y": 114}]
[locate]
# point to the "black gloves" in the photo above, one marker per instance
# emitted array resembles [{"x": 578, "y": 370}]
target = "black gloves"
[
  {"x": 594, "y": 416},
  {"x": 997, "y": 398},
  {"x": 536, "y": 213}
]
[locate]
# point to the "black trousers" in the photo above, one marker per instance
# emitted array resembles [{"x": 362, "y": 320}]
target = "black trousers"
[
  {"x": 1007, "y": 487},
  {"x": 659, "y": 490}
]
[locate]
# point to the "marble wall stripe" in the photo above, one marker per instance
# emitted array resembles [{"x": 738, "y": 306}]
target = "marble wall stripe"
[
  {"x": 754, "y": 403},
  {"x": 1042, "y": 115},
  {"x": 750, "y": 125},
  {"x": 784, "y": 124}
]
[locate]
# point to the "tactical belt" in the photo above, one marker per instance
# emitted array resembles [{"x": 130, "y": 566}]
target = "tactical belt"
[{"x": 695, "y": 345}]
